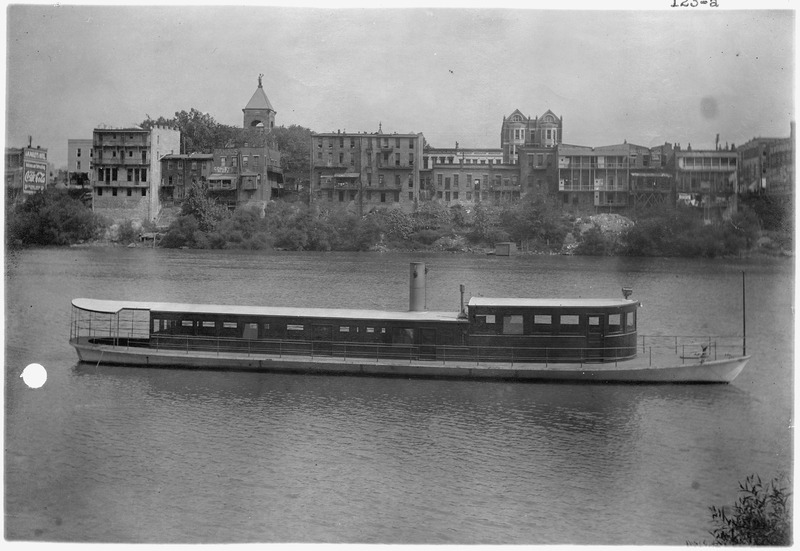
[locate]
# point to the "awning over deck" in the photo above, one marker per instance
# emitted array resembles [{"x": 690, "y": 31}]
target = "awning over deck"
[{"x": 116, "y": 306}]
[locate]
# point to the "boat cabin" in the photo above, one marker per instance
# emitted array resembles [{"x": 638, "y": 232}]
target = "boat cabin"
[{"x": 503, "y": 329}]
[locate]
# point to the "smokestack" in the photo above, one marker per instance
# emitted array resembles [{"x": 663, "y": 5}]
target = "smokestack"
[{"x": 416, "y": 290}]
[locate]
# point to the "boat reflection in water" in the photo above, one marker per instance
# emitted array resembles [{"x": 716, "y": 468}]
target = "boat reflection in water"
[{"x": 586, "y": 340}]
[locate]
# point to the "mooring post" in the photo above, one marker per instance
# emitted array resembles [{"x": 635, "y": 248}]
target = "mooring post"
[{"x": 744, "y": 319}]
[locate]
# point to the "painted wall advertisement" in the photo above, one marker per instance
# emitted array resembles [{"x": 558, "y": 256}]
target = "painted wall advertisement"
[{"x": 34, "y": 173}]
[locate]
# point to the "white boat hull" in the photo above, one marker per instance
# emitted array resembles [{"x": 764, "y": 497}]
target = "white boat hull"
[{"x": 666, "y": 369}]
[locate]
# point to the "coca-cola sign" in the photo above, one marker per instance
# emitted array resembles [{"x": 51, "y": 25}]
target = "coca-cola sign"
[{"x": 34, "y": 177}]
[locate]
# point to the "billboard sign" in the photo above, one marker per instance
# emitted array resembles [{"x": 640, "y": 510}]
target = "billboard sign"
[{"x": 34, "y": 177}]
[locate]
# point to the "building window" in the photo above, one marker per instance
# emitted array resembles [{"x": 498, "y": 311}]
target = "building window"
[
  {"x": 129, "y": 192},
  {"x": 397, "y": 142},
  {"x": 144, "y": 175},
  {"x": 223, "y": 160},
  {"x": 410, "y": 181},
  {"x": 411, "y": 143},
  {"x": 397, "y": 180},
  {"x": 383, "y": 197},
  {"x": 439, "y": 180},
  {"x": 114, "y": 192},
  {"x": 79, "y": 165},
  {"x": 410, "y": 195},
  {"x": 245, "y": 160},
  {"x": 341, "y": 158},
  {"x": 99, "y": 191},
  {"x": 411, "y": 159},
  {"x": 455, "y": 180},
  {"x": 380, "y": 179},
  {"x": 455, "y": 195},
  {"x": 341, "y": 196}
]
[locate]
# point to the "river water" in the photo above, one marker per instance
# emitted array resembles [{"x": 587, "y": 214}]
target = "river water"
[{"x": 113, "y": 454}]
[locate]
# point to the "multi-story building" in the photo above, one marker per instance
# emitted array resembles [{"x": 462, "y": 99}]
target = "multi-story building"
[
  {"x": 366, "y": 170},
  {"x": 467, "y": 175},
  {"x": 611, "y": 177},
  {"x": 540, "y": 133},
  {"x": 538, "y": 169},
  {"x": 653, "y": 183},
  {"x": 179, "y": 172},
  {"x": 26, "y": 171},
  {"x": 79, "y": 162},
  {"x": 244, "y": 175},
  {"x": 766, "y": 165},
  {"x": 127, "y": 170},
  {"x": 781, "y": 167},
  {"x": 706, "y": 178}
]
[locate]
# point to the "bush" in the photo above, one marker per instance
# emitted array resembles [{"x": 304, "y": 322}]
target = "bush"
[
  {"x": 51, "y": 217},
  {"x": 761, "y": 516}
]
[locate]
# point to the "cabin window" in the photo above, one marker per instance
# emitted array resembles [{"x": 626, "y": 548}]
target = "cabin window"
[
  {"x": 630, "y": 321},
  {"x": 229, "y": 329},
  {"x": 344, "y": 329},
  {"x": 187, "y": 323},
  {"x": 250, "y": 331},
  {"x": 402, "y": 335},
  {"x": 207, "y": 328},
  {"x": 542, "y": 323},
  {"x": 295, "y": 331},
  {"x": 570, "y": 324},
  {"x": 370, "y": 329},
  {"x": 594, "y": 321},
  {"x": 489, "y": 318},
  {"x": 512, "y": 325},
  {"x": 614, "y": 323}
]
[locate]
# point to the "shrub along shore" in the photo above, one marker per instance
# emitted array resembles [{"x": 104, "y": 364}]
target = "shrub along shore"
[{"x": 55, "y": 217}]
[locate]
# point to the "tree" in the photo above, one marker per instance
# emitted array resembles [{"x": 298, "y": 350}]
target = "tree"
[
  {"x": 51, "y": 217},
  {"x": 202, "y": 207},
  {"x": 761, "y": 516},
  {"x": 294, "y": 143}
]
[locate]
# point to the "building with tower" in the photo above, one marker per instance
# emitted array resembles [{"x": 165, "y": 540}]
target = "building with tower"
[
  {"x": 258, "y": 113},
  {"x": 540, "y": 133}
]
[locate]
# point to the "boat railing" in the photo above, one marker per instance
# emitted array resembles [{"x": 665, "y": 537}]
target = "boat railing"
[{"x": 688, "y": 349}]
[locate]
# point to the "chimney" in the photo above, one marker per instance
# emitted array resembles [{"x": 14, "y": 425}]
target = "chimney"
[{"x": 417, "y": 291}]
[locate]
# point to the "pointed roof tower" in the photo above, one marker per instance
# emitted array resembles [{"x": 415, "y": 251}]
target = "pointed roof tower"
[{"x": 259, "y": 112}]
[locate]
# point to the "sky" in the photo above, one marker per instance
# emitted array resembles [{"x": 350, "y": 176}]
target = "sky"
[{"x": 646, "y": 77}]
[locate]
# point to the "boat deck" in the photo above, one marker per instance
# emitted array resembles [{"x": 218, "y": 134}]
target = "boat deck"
[{"x": 657, "y": 365}]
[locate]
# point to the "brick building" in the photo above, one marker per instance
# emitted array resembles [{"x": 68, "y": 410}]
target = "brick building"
[
  {"x": 243, "y": 176},
  {"x": 706, "y": 178},
  {"x": 366, "y": 171},
  {"x": 179, "y": 172},
  {"x": 26, "y": 171},
  {"x": 79, "y": 162},
  {"x": 127, "y": 170},
  {"x": 539, "y": 133},
  {"x": 766, "y": 165},
  {"x": 613, "y": 177}
]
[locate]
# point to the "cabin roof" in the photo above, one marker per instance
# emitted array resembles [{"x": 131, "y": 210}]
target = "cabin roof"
[
  {"x": 551, "y": 302},
  {"x": 115, "y": 306}
]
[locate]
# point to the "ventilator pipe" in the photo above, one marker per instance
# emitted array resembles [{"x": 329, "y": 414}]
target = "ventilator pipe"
[{"x": 416, "y": 291}]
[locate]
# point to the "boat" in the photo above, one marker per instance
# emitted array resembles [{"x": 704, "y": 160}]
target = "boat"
[{"x": 520, "y": 339}]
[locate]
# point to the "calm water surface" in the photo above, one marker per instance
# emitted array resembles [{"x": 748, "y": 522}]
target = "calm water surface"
[{"x": 111, "y": 454}]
